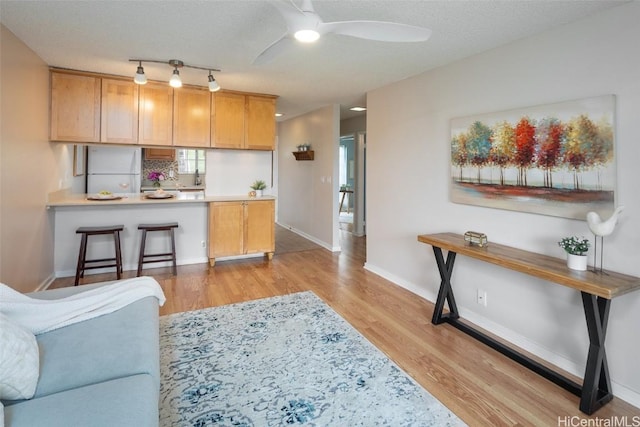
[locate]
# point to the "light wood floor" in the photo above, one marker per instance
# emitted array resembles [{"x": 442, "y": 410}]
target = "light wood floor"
[{"x": 478, "y": 384}]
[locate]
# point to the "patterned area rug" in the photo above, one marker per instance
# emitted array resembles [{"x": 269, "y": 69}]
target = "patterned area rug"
[{"x": 282, "y": 361}]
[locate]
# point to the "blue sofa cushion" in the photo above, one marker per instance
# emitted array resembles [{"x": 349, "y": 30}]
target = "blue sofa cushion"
[
  {"x": 123, "y": 402},
  {"x": 115, "y": 345}
]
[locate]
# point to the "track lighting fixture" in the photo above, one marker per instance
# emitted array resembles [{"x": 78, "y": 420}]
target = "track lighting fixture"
[
  {"x": 213, "y": 84},
  {"x": 175, "y": 80},
  {"x": 140, "y": 78}
]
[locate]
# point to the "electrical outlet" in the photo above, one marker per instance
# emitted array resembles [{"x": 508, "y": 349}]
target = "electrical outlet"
[
  {"x": 482, "y": 297},
  {"x": 204, "y": 244}
]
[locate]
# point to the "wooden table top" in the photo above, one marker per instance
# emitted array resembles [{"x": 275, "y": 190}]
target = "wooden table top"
[{"x": 607, "y": 285}]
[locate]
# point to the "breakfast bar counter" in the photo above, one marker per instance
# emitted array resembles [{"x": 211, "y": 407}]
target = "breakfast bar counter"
[
  {"x": 190, "y": 210},
  {"x": 79, "y": 200}
]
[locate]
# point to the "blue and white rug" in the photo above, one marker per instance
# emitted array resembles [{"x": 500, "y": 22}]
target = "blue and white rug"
[{"x": 282, "y": 361}]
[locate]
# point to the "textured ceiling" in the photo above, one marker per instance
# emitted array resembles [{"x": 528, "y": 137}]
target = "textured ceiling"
[{"x": 101, "y": 36}]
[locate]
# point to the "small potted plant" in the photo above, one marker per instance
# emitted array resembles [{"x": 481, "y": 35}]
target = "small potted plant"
[
  {"x": 258, "y": 186},
  {"x": 576, "y": 248}
]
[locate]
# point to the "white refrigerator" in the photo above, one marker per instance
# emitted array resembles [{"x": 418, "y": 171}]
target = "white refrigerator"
[{"x": 115, "y": 169}]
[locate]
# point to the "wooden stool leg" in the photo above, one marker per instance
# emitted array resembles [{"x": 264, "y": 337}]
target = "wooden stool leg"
[
  {"x": 173, "y": 252},
  {"x": 81, "y": 257},
  {"x": 116, "y": 242},
  {"x": 141, "y": 256}
]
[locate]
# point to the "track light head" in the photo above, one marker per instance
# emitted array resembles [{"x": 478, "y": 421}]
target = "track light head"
[
  {"x": 175, "y": 80},
  {"x": 213, "y": 84},
  {"x": 140, "y": 78}
]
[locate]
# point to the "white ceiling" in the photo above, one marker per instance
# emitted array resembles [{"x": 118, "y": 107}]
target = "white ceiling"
[{"x": 101, "y": 36}]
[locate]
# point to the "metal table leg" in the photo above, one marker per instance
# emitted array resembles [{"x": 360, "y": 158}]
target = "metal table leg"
[
  {"x": 445, "y": 292},
  {"x": 596, "y": 387}
]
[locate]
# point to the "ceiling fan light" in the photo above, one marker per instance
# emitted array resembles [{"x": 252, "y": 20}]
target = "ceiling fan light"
[
  {"x": 175, "y": 80},
  {"x": 140, "y": 78},
  {"x": 213, "y": 84},
  {"x": 307, "y": 36}
]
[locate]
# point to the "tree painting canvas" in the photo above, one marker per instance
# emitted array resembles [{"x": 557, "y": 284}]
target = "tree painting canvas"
[{"x": 554, "y": 159}]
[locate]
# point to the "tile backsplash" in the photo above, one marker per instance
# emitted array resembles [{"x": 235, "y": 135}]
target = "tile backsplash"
[{"x": 165, "y": 166}]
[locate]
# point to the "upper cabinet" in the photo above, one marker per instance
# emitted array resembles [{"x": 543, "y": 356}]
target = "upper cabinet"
[
  {"x": 243, "y": 121},
  {"x": 260, "y": 130},
  {"x": 119, "y": 112},
  {"x": 191, "y": 117},
  {"x": 227, "y": 123},
  {"x": 95, "y": 108},
  {"x": 75, "y": 107},
  {"x": 155, "y": 126},
  {"x": 160, "y": 154}
]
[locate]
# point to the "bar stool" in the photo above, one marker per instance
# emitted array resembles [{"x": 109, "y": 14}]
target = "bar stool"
[
  {"x": 160, "y": 257},
  {"x": 102, "y": 262}
]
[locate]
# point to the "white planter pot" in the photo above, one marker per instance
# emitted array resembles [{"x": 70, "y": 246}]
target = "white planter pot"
[
  {"x": 577, "y": 262},
  {"x": 259, "y": 193}
]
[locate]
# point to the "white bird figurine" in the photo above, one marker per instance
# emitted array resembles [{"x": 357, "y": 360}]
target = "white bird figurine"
[
  {"x": 600, "y": 229},
  {"x": 603, "y": 228}
]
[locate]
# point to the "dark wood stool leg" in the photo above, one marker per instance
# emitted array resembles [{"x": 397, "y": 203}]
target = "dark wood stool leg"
[
  {"x": 173, "y": 252},
  {"x": 141, "y": 256},
  {"x": 81, "y": 257},
  {"x": 116, "y": 241}
]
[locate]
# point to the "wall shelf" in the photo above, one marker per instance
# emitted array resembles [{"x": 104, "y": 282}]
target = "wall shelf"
[{"x": 303, "y": 155}]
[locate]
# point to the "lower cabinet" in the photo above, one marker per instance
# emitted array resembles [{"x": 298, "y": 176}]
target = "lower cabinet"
[{"x": 241, "y": 228}]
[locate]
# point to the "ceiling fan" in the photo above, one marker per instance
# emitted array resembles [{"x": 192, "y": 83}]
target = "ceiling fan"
[{"x": 305, "y": 25}]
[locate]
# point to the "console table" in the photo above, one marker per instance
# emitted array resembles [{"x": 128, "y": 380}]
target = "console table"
[{"x": 597, "y": 289}]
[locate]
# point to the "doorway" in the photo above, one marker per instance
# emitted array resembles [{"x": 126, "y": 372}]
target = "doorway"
[{"x": 351, "y": 195}]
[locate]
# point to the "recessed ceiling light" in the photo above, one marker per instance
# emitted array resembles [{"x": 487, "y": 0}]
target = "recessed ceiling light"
[{"x": 358, "y": 109}]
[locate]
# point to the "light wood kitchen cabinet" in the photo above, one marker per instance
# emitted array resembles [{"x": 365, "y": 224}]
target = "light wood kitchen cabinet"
[
  {"x": 243, "y": 121},
  {"x": 96, "y": 108},
  {"x": 119, "y": 115},
  {"x": 160, "y": 154},
  {"x": 155, "y": 125},
  {"x": 227, "y": 122},
  {"x": 75, "y": 107},
  {"x": 240, "y": 228},
  {"x": 192, "y": 117},
  {"x": 260, "y": 130}
]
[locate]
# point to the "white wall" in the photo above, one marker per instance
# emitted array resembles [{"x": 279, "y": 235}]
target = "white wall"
[
  {"x": 30, "y": 168},
  {"x": 307, "y": 199},
  {"x": 231, "y": 172},
  {"x": 407, "y": 187},
  {"x": 353, "y": 125}
]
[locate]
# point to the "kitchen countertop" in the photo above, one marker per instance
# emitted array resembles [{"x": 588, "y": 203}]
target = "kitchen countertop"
[
  {"x": 60, "y": 199},
  {"x": 174, "y": 188}
]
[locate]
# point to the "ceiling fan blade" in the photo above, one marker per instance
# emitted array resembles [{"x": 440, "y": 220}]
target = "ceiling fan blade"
[
  {"x": 289, "y": 10},
  {"x": 378, "y": 30},
  {"x": 274, "y": 49}
]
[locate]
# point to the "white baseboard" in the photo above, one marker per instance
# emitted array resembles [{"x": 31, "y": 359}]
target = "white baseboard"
[
  {"x": 518, "y": 340},
  {"x": 313, "y": 239},
  {"x": 46, "y": 283}
]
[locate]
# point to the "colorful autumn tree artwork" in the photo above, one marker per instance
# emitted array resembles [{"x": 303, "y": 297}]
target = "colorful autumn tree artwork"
[
  {"x": 549, "y": 137},
  {"x": 459, "y": 153},
  {"x": 564, "y": 156},
  {"x": 503, "y": 147},
  {"x": 525, "y": 148},
  {"x": 478, "y": 145}
]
